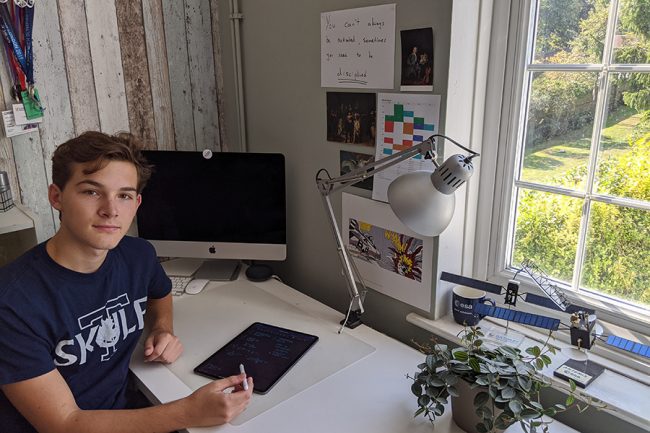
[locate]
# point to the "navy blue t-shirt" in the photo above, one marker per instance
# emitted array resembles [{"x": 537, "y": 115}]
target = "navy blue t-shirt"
[{"x": 84, "y": 325}]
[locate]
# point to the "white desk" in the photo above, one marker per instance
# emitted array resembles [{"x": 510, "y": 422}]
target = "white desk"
[{"x": 370, "y": 395}]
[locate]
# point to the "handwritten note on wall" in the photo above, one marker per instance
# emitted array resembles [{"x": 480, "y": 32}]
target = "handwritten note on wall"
[{"x": 358, "y": 47}]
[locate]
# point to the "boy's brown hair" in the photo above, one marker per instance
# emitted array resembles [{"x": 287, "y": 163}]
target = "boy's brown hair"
[{"x": 99, "y": 148}]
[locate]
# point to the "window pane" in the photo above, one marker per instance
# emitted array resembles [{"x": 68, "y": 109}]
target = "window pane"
[
  {"x": 559, "y": 128},
  {"x": 547, "y": 232},
  {"x": 632, "y": 38},
  {"x": 571, "y": 31},
  {"x": 624, "y": 153},
  {"x": 616, "y": 259}
]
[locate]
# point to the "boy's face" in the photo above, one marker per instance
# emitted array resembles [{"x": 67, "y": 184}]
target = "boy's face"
[{"x": 97, "y": 209}]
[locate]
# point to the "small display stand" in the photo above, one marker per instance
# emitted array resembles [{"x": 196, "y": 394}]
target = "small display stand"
[{"x": 581, "y": 372}]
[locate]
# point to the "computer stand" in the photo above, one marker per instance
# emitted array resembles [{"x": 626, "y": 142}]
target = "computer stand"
[{"x": 218, "y": 270}]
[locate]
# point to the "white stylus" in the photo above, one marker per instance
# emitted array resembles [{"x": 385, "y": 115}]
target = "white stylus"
[{"x": 245, "y": 382}]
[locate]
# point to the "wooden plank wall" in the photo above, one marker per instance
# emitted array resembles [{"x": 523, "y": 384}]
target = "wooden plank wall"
[{"x": 148, "y": 67}]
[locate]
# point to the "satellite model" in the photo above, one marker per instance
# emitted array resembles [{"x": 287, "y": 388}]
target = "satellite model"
[{"x": 582, "y": 323}]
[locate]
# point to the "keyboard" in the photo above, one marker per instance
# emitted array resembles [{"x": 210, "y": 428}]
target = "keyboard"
[{"x": 179, "y": 282}]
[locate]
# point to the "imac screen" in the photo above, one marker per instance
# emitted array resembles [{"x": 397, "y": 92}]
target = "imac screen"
[{"x": 231, "y": 205}]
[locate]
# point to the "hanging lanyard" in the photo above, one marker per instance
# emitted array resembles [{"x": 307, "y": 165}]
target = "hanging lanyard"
[
  {"x": 22, "y": 62},
  {"x": 11, "y": 41}
]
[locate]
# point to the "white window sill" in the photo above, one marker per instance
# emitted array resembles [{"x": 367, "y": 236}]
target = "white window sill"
[{"x": 625, "y": 391}]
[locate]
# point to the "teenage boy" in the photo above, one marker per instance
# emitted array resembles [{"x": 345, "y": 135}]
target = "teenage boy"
[{"x": 72, "y": 309}]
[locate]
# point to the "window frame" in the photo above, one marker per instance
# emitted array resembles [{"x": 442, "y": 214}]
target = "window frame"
[{"x": 507, "y": 72}]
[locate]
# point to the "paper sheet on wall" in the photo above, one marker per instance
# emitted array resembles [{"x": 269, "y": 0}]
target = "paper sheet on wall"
[
  {"x": 391, "y": 258},
  {"x": 403, "y": 120},
  {"x": 358, "y": 47}
]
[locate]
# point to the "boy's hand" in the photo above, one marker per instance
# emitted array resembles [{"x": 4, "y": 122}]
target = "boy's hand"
[
  {"x": 210, "y": 405},
  {"x": 162, "y": 346}
]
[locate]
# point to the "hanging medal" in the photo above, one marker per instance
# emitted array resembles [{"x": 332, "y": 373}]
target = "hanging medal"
[{"x": 16, "y": 24}]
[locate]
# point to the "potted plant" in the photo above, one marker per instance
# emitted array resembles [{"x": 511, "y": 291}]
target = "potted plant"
[{"x": 500, "y": 385}]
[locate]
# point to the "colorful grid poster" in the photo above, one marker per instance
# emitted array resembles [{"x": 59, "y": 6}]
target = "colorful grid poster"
[{"x": 403, "y": 120}]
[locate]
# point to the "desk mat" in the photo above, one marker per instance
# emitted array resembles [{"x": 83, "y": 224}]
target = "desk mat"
[{"x": 207, "y": 321}]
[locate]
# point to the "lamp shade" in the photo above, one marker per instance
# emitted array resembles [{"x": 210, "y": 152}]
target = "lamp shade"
[{"x": 419, "y": 205}]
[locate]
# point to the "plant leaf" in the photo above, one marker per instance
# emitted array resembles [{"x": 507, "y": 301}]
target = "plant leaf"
[
  {"x": 524, "y": 382},
  {"x": 536, "y": 405},
  {"x": 416, "y": 389},
  {"x": 570, "y": 400},
  {"x": 530, "y": 414},
  {"x": 482, "y": 380},
  {"x": 460, "y": 355},
  {"x": 430, "y": 362},
  {"x": 508, "y": 393},
  {"x": 550, "y": 412},
  {"x": 436, "y": 381},
  {"x": 515, "y": 406},
  {"x": 451, "y": 379},
  {"x": 424, "y": 400},
  {"x": 534, "y": 350},
  {"x": 473, "y": 362},
  {"x": 508, "y": 351},
  {"x": 453, "y": 391}
]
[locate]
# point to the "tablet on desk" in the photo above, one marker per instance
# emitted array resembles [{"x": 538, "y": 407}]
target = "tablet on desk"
[{"x": 266, "y": 351}]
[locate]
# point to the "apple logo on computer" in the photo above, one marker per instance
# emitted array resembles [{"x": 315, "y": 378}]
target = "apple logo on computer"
[{"x": 212, "y": 250}]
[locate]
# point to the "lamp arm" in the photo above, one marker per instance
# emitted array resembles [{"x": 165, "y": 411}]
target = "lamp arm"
[
  {"x": 331, "y": 185},
  {"x": 427, "y": 148},
  {"x": 349, "y": 269}
]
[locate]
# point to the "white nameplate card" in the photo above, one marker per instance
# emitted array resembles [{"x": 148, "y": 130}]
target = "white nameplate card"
[
  {"x": 20, "y": 116},
  {"x": 497, "y": 336},
  {"x": 572, "y": 373},
  {"x": 11, "y": 129}
]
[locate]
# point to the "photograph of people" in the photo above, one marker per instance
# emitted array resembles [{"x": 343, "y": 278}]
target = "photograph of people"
[{"x": 417, "y": 59}]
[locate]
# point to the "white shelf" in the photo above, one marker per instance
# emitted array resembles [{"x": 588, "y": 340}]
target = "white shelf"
[{"x": 15, "y": 219}]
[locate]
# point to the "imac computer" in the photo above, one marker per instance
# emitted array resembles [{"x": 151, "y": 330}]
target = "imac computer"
[{"x": 215, "y": 205}]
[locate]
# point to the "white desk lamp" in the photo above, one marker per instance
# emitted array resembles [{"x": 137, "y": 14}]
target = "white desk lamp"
[{"x": 422, "y": 200}]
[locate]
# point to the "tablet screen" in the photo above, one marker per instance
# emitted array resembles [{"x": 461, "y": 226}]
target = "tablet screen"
[{"x": 266, "y": 351}]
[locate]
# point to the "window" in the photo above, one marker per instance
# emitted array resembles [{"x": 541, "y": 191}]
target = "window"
[{"x": 578, "y": 204}]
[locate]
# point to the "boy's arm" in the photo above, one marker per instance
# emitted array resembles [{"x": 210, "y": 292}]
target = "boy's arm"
[
  {"x": 161, "y": 344},
  {"x": 48, "y": 404}
]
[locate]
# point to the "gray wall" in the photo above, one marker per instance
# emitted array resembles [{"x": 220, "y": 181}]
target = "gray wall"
[{"x": 285, "y": 112}]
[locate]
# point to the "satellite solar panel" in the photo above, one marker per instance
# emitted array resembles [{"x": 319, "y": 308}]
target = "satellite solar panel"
[
  {"x": 471, "y": 282},
  {"x": 543, "y": 301},
  {"x": 629, "y": 345},
  {"x": 518, "y": 317}
]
